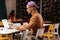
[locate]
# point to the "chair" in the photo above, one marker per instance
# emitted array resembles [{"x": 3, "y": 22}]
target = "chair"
[
  {"x": 18, "y": 36},
  {"x": 1, "y": 24},
  {"x": 38, "y": 34},
  {"x": 56, "y": 29},
  {"x": 50, "y": 33},
  {"x": 5, "y": 37},
  {"x": 26, "y": 35}
]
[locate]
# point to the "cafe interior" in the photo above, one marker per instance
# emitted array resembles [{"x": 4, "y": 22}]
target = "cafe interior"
[{"x": 13, "y": 13}]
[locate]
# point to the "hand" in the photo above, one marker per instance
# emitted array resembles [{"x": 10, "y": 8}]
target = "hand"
[{"x": 14, "y": 27}]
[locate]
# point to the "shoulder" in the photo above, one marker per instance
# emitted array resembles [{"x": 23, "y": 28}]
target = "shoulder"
[{"x": 34, "y": 16}]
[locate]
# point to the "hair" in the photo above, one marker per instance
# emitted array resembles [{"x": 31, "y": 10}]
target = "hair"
[
  {"x": 32, "y": 4},
  {"x": 12, "y": 13}
]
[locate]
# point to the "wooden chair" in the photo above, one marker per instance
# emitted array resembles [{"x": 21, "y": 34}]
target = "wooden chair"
[
  {"x": 1, "y": 24},
  {"x": 50, "y": 33},
  {"x": 5, "y": 37}
]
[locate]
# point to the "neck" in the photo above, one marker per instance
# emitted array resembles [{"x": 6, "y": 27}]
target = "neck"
[{"x": 33, "y": 12}]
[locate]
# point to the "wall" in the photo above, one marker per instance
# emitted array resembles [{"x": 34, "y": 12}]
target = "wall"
[{"x": 10, "y": 5}]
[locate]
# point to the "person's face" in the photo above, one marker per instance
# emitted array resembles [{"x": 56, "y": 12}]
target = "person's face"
[{"x": 29, "y": 9}]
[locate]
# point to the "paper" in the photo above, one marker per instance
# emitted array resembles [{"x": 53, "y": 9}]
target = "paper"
[
  {"x": 17, "y": 24},
  {"x": 25, "y": 23}
]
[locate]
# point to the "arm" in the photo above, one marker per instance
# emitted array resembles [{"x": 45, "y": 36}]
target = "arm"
[{"x": 31, "y": 23}]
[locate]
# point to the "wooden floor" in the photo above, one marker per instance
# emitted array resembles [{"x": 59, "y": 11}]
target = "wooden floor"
[
  {"x": 56, "y": 38},
  {"x": 46, "y": 39},
  {"x": 51, "y": 39}
]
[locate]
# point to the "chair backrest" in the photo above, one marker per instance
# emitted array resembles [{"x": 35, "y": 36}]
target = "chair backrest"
[
  {"x": 56, "y": 25},
  {"x": 56, "y": 28},
  {"x": 39, "y": 32},
  {"x": 51, "y": 28}
]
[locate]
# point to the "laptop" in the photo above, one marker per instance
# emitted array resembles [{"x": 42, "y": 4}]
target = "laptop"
[{"x": 5, "y": 23}]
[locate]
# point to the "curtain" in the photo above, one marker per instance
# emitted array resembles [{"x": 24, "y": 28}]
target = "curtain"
[{"x": 3, "y": 14}]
